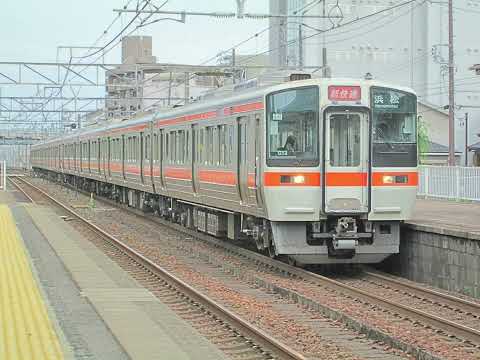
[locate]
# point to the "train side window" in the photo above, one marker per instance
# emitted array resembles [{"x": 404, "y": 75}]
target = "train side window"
[
  {"x": 147, "y": 147},
  {"x": 181, "y": 147},
  {"x": 200, "y": 147},
  {"x": 167, "y": 144},
  {"x": 131, "y": 149},
  {"x": 173, "y": 147},
  {"x": 187, "y": 147},
  {"x": 155, "y": 147},
  {"x": 126, "y": 145},
  {"x": 231, "y": 142},
  {"x": 135, "y": 149},
  {"x": 209, "y": 146},
  {"x": 215, "y": 153},
  {"x": 221, "y": 144}
]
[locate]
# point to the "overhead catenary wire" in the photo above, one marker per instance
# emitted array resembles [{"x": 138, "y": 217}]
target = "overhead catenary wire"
[
  {"x": 333, "y": 28},
  {"x": 313, "y": 35},
  {"x": 137, "y": 14},
  {"x": 68, "y": 67}
]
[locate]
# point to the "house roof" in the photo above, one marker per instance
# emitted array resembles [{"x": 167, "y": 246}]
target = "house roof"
[
  {"x": 475, "y": 68},
  {"x": 435, "y": 148},
  {"x": 474, "y": 147},
  {"x": 433, "y": 107}
]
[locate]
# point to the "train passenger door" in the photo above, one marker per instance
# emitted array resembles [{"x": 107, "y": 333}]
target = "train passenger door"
[
  {"x": 142, "y": 157},
  {"x": 346, "y": 162},
  {"x": 242, "y": 133},
  {"x": 161, "y": 157},
  {"x": 253, "y": 159},
  {"x": 105, "y": 154},
  {"x": 195, "y": 158}
]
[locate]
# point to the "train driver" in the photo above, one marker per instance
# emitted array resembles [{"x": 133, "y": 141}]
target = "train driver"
[{"x": 290, "y": 144}]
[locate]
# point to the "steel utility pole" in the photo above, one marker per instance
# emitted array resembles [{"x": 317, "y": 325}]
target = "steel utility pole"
[
  {"x": 300, "y": 47},
  {"x": 451, "y": 89}
]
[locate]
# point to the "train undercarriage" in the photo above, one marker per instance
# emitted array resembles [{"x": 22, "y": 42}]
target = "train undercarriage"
[{"x": 333, "y": 240}]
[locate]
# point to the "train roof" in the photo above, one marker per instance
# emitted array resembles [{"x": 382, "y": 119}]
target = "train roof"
[{"x": 220, "y": 97}]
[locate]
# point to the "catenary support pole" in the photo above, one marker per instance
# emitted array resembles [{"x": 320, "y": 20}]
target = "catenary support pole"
[
  {"x": 451, "y": 89},
  {"x": 466, "y": 139}
]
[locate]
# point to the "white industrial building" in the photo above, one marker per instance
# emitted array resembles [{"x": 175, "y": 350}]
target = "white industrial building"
[{"x": 406, "y": 45}]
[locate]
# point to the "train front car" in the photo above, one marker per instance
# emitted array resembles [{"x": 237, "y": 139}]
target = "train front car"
[{"x": 340, "y": 170}]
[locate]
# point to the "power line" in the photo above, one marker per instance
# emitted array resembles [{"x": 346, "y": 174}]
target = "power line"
[
  {"x": 333, "y": 28},
  {"x": 120, "y": 33},
  {"x": 304, "y": 38},
  {"x": 254, "y": 36},
  {"x": 101, "y": 49}
]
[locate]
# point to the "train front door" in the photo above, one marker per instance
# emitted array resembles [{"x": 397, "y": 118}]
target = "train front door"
[{"x": 346, "y": 162}]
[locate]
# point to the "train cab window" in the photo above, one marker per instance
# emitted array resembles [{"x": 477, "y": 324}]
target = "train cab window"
[
  {"x": 394, "y": 128},
  {"x": 292, "y": 127}
]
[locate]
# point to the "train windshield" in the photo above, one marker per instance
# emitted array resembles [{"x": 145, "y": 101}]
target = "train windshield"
[
  {"x": 292, "y": 127},
  {"x": 394, "y": 127},
  {"x": 394, "y": 115}
]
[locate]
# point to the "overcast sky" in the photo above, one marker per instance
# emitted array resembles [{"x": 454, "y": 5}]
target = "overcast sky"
[{"x": 31, "y": 30}]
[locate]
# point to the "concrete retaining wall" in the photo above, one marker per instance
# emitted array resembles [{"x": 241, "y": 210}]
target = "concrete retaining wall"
[{"x": 443, "y": 258}]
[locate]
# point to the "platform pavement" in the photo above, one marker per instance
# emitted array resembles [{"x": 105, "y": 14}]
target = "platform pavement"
[
  {"x": 27, "y": 328},
  {"x": 461, "y": 219},
  {"x": 92, "y": 308},
  {"x": 146, "y": 328}
]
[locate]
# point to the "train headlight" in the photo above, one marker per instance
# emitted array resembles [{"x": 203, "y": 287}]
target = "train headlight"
[
  {"x": 298, "y": 179},
  {"x": 388, "y": 179}
]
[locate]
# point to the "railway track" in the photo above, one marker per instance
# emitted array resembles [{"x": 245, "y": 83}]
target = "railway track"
[
  {"x": 452, "y": 328},
  {"x": 425, "y": 294},
  {"x": 187, "y": 299}
]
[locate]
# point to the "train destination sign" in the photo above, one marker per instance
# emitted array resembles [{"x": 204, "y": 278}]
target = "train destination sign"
[
  {"x": 344, "y": 93},
  {"x": 392, "y": 101}
]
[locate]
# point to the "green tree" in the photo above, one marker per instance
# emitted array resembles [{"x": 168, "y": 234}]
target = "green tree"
[{"x": 422, "y": 138}]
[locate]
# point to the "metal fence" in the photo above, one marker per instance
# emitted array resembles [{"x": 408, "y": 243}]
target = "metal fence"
[
  {"x": 449, "y": 182},
  {"x": 3, "y": 175}
]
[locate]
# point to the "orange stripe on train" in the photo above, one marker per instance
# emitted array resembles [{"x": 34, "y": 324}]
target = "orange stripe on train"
[{"x": 346, "y": 179}]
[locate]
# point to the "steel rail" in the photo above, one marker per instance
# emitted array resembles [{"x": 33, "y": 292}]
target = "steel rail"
[
  {"x": 249, "y": 330},
  {"x": 454, "y": 301},
  {"x": 18, "y": 187},
  {"x": 446, "y": 325}
]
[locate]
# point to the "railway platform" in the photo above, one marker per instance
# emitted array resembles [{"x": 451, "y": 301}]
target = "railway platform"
[
  {"x": 440, "y": 246},
  {"x": 460, "y": 219},
  {"x": 63, "y": 298}
]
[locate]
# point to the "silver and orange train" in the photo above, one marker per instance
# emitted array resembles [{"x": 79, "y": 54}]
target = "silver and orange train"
[{"x": 318, "y": 171}]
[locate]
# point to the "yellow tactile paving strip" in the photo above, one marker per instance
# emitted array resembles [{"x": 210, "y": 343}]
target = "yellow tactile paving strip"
[{"x": 26, "y": 331}]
